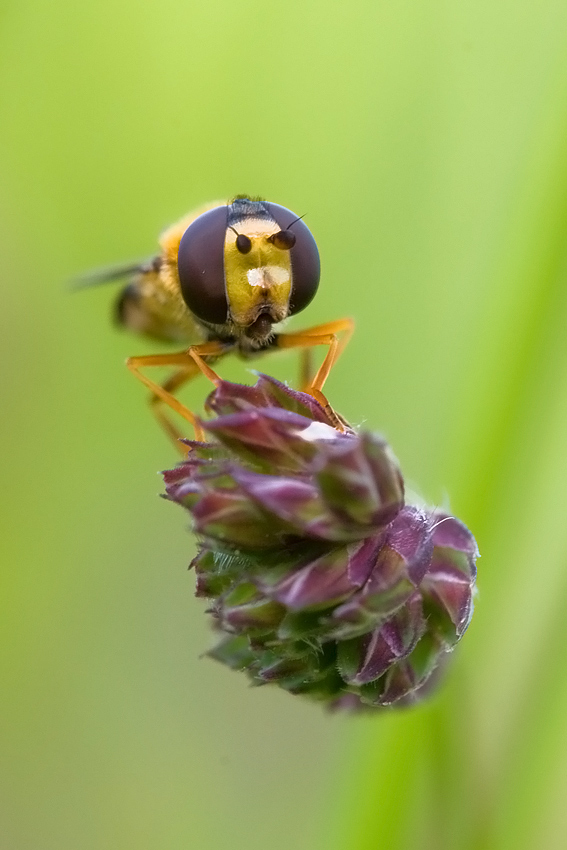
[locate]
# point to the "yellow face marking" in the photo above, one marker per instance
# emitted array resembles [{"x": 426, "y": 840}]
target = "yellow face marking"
[{"x": 258, "y": 279}]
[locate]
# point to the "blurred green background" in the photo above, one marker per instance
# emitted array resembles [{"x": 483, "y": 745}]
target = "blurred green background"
[{"x": 427, "y": 143}]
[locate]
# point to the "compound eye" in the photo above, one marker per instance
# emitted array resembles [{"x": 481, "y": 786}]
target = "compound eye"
[
  {"x": 305, "y": 263},
  {"x": 200, "y": 263},
  {"x": 283, "y": 239}
]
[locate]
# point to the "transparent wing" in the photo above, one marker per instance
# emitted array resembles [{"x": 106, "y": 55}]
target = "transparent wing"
[{"x": 114, "y": 273}]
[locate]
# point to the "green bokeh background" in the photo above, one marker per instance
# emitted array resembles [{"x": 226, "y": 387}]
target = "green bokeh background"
[{"x": 427, "y": 143}]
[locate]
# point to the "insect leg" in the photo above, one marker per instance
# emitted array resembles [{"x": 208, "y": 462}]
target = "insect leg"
[
  {"x": 325, "y": 334},
  {"x": 156, "y": 404},
  {"x": 191, "y": 363},
  {"x": 305, "y": 369},
  {"x": 162, "y": 393},
  {"x": 208, "y": 349}
]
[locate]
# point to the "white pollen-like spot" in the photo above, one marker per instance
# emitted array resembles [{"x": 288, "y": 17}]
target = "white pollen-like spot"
[
  {"x": 256, "y": 277},
  {"x": 267, "y": 276},
  {"x": 318, "y": 431}
]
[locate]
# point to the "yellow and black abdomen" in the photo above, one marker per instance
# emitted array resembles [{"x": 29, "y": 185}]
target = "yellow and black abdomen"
[{"x": 151, "y": 305}]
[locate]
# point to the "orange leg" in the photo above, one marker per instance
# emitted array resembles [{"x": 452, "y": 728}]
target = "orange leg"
[
  {"x": 305, "y": 369},
  {"x": 191, "y": 363},
  {"x": 321, "y": 335},
  {"x": 156, "y": 404}
]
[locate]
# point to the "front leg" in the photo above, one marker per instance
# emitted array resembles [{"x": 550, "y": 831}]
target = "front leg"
[
  {"x": 326, "y": 334},
  {"x": 190, "y": 363}
]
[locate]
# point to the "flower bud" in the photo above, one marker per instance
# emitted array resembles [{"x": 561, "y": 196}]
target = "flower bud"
[{"x": 322, "y": 579}]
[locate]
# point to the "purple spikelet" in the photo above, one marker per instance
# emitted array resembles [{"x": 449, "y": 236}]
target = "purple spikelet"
[{"x": 322, "y": 579}]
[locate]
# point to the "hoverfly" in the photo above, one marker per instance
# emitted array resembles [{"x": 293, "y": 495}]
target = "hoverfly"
[{"x": 226, "y": 278}]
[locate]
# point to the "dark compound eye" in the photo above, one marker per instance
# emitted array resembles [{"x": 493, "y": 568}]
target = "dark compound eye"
[
  {"x": 284, "y": 239},
  {"x": 243, "y": 244},
  {"x": 200, "y": 264},
  {"x": 305, "y": 264}
]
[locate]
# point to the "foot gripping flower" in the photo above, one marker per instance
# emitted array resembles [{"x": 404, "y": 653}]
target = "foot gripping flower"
[{"x": 322, "y": 579}]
